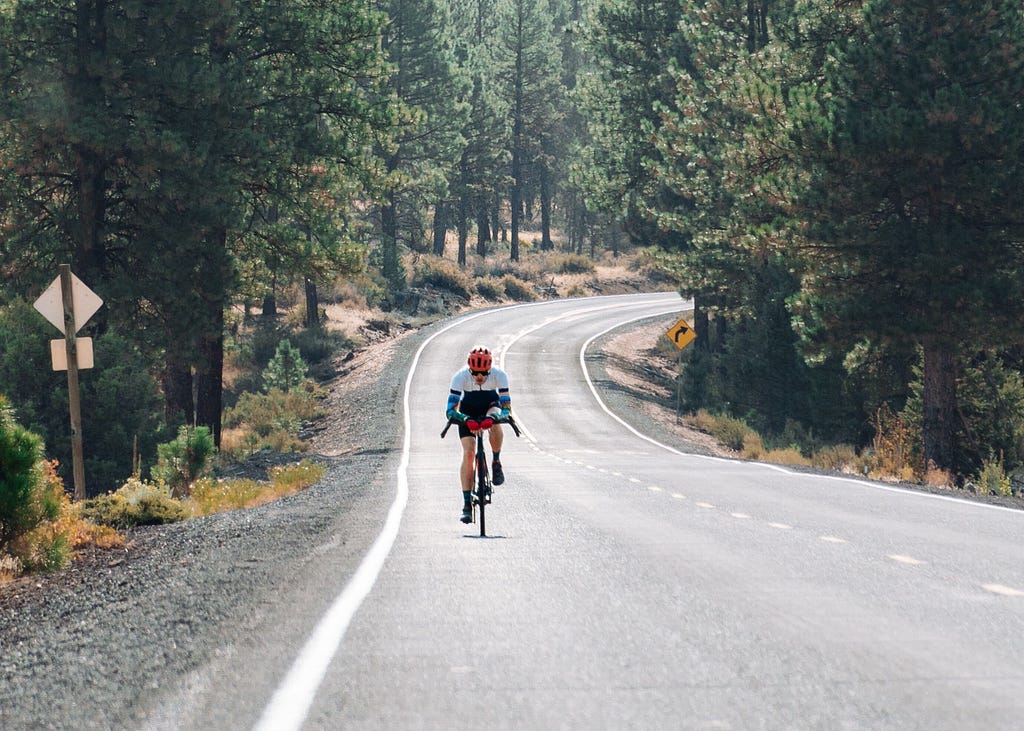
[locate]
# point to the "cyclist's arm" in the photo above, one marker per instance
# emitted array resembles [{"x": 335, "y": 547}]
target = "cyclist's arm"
[
  {"x": 452, "y": 408},
  {"x": 504, "y": 395}
]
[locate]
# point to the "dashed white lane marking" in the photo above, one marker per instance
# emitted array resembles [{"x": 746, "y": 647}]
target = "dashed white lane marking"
[
  {"x": 741, "y": 516},
  {"x": 781, "y": 526},
  {"x": 677, "y": 496},
  {"x": 709, "y": 506},
  {"x": 1002, "y": 590},
  {"x": 832, "y": 539},
  {"x": 618, "y": 474},
  {"x": 654, "y": 488},
  {"x": 909, "y": 560},
  {"x": 635, "y": 481}
]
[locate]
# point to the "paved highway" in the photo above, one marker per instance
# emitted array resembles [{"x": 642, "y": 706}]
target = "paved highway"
[{"x": 626, "y": 585}]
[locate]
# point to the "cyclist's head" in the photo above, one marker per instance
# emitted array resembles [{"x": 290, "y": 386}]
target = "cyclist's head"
[{"x": 479, "y": 359}]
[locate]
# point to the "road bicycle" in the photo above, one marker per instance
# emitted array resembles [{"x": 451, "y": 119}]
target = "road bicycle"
[{"x": 481, "y": 474}]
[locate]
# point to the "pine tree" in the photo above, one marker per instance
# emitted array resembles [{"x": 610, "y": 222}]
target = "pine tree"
[{"x": 914, "y": 199}]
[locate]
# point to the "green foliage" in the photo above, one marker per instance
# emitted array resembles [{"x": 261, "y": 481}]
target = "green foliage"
[
  {"x": 23, "y": 503},
  {"x": 214, "y": 496},
  {"x": 135, "y": 503},
  {"x": 269, "y": 419},
  {"x": 185, "y": 459},
  {"x": 286, "y": 371},
  {"x": 993, "y": 478}
]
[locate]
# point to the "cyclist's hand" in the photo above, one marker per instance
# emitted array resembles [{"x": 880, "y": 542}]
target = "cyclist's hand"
[
  {"x": 457, "y": 416},
  {"x": 473, "y": 425},
  {"x": 487, "y": 423}
]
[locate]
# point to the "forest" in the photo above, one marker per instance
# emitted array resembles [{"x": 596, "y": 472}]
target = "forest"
[{"x": 837, "y": 183}]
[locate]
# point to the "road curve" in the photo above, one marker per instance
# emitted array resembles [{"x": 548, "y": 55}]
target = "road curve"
[{"x": 629, "y": 585}]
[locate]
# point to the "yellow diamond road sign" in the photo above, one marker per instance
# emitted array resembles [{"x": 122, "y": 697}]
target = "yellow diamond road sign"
[{"x": 681, "y": 334}]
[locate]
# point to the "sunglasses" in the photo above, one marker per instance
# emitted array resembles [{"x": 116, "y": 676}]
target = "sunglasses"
[{"x": 480, "y": 373}]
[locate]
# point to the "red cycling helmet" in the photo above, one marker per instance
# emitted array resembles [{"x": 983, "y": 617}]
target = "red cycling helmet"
[{"x": 479, "y": 359}]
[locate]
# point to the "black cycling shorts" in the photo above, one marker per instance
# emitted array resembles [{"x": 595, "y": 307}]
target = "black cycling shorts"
[{"x": 475, "y": 405}]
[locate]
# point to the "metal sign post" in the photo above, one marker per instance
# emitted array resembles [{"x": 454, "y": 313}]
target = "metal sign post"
[
  {"x": 681, "y": 335},
  {"x": 68, "y": 304}
]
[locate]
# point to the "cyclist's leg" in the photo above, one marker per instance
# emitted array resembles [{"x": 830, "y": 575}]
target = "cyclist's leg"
[{"x": 466, "y": 468}]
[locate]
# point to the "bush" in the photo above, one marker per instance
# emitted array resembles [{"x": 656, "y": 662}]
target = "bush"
[
  {"x": 841, "y": 457},
  {"x": 24, "y": 500},
  {"x": 993, "y": 479},
  {"x": 135, "y": 503},
  {"x": 213, "y": 496},
  {"x": 442, "y": 274},
  {"x": 184, "y": 460},
  {"x": 269, "y": 420},
  {"x": 490, "y": 288},
  {"x": 574, "y": 264},
  {"x": 517, "y": 289}
]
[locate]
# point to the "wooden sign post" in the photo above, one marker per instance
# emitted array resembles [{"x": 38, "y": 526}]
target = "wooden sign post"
[{"x": 68, "y": 304}]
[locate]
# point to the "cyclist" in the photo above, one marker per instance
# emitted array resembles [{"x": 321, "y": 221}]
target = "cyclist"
[{"x": 477, "y": 391}]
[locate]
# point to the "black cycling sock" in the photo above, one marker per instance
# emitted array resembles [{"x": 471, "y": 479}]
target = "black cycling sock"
[
  {"x": 467, "y": 497},
  {"x": 495, "y": 456}
]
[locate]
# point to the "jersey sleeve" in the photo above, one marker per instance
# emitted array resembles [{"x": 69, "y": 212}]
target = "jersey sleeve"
[
  {"x": 504, "y": 395},
  {"x": 454, "y": 392}
]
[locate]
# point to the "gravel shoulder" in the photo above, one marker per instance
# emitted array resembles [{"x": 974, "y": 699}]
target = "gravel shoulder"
[{"x": 109, "y": 642}]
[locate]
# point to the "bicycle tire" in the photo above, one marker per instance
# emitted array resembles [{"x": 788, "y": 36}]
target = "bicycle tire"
[{"x": 482, "y": 496}]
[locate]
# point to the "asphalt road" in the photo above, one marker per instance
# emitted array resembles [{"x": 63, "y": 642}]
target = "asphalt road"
[{"x": 626, "y": 584}]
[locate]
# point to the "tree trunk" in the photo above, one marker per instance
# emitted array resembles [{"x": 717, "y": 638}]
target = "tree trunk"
[
  {"x": 440, "y": 227},
  {"x": 939, "y": 403},
  {"x": 312, "y": 319},
  {"x": 179, "y": 407},
  {"x": 545, "y": 210},
  {"x": 462, "y": 228},
  {"x": 210, "y": 381},
  {"x": 90, "y": 170}
]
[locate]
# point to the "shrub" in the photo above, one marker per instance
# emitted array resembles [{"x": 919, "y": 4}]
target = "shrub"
[
  {"x": 269, "y": 419},
  {"x": 840, "y": 457},
  {"x": 182, "y": 461},
  {"x": 135, "y": 503},
  {"x": 752, "y": 446},
  {"x": 786, "y": 455},
  {"x": 518, "y": 289},
  {"x": 442, "y": 274},
  {"x": 993, "y": 479},
  {"x": 490, "y": 288},
  {"x": 286, "y": 370},
  {"x": 24, "y": 500},
  {"x": 213, "y": 496},
  {"x": 730, "y": 432},
  {"x": 574, "y": 264}
]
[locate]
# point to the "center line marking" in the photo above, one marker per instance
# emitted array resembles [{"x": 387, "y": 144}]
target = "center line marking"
[
  {"x": 741, "y": 516},
  {"x": 781, "y": 526},
  {"x": 705, "y": 505},
  {"x": 1002, "y": 590},
  {"x": 832, "y": 539},
  {"x": 905, "y": 559}
]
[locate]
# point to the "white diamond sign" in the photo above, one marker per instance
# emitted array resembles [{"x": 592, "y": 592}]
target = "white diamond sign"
[{"x": 51, "y": 304}]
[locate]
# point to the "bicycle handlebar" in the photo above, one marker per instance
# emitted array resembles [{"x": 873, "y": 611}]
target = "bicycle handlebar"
[{"x": 509, "y": 420}]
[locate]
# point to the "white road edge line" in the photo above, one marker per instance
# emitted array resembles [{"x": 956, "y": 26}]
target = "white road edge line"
[
  {"x": 290, "y": 704},
  {"x": 688, "y": 305}
]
